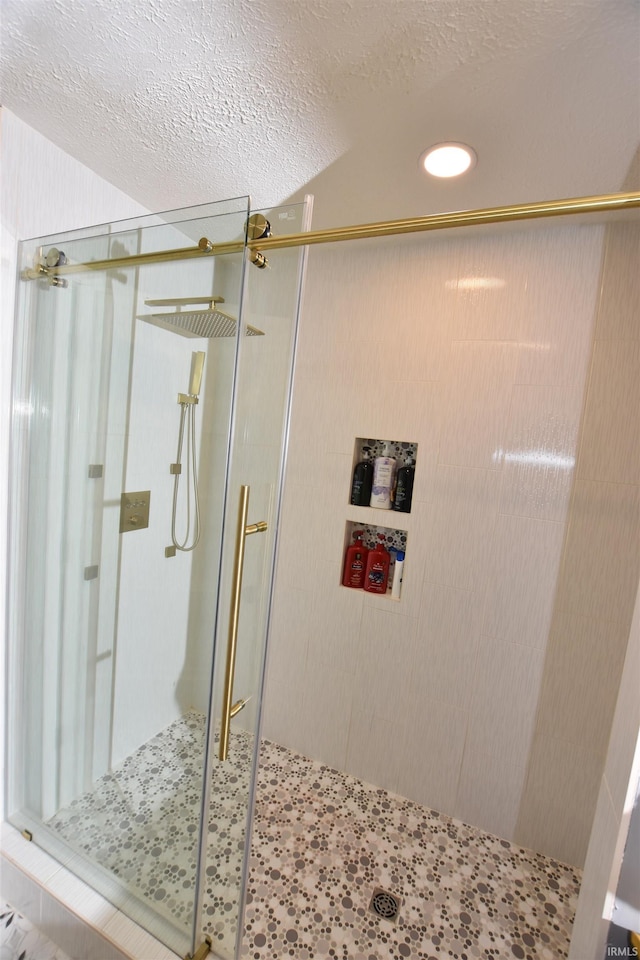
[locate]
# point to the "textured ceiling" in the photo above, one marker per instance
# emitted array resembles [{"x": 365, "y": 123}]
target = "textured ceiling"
[{"x": 183, "y": 101}]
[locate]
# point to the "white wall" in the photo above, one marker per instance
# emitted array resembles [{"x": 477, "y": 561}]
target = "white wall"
[{"x": 436, "y": 697}]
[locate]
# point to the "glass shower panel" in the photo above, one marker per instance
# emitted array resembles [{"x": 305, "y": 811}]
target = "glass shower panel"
[
  {"x": 270, "y": 304},
  {"x": 110, "y": 629},
  {"x": 58, "y": 435}
]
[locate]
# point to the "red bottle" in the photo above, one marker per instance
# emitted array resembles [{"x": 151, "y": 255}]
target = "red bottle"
[
  {"x": 377, "y": 572},
  {"x": 355, "y": 563}
]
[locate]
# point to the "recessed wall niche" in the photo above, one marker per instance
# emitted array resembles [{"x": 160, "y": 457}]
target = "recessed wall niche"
[
  {"x": 371, "y": 534},
  {"x": 365, "y": 452}
]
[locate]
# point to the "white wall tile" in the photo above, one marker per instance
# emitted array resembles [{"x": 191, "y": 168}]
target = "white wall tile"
[
  {"x": 540, "y": 451},
  {"x": 372, "y": 751},
  {"x": 394, "y": 344},
  {"x": 20, "y": 891},
  {"x": 581, "y": 678},
  {"x": 598, "y": 578},
  {"x": 286, "y": 666},
  {"x": 424, "y": 426},
  {"x": 30, "y": 857},
  {"x": 384, "y": 665},
  {"x": 77, "y": 940},
  {"x": 601, "y": 562},
  {"x": 491, "y": 288},
  {"x": 505, "y": 700},
  {"x": 430, "y": 753},
  {"x": 489, "y": 792},
  {"x": 92, "y": 907},
  {"x": 609, "y": 833},
  {"x": 564, "y": 274},
  {"x": 551, "y": 820},
  {"x": 419, "y": 323},
  {"x": 414, "y": 409},
  {"x": 459, "y": 524},
  {"x": 283, "y": 705},
  {"x": 611, "y": 441},
  {"x": 618, "y": 313},
  {"x": 322, "y": 728},
  {"x": 333, "y": 629},
  {"x": 476, "y": 395},
  {"x": 521, "y": 582},
  {"x": 447, "y": 637},
  {"x": 289, "y": 632},
  {"x": 300, "y": 527},
  {"x": 591, "y": 928},
  {"x": 135, "y": 941}
]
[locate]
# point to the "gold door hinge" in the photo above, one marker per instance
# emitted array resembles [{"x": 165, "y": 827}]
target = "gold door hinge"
[
  {"x": 203, "y": 950},
  {"x": 27, "y": 834}
]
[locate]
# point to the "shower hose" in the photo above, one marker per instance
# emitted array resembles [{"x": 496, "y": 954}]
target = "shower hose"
[{"x": 188, "y": 418}]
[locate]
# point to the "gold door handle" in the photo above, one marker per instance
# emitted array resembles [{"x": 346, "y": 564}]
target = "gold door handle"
[{"x": 243, "y": 530}]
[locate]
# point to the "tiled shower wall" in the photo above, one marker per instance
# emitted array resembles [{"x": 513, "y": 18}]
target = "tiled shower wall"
[
  {"x": 478, "y": 349},
  {"x": 596, "y": 590},
  {"x": 153, "y": 634},
  {"x": 619, "y": 315}
]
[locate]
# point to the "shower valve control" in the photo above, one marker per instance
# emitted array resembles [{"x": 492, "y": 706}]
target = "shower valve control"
[{"x": 134, "y": 510}]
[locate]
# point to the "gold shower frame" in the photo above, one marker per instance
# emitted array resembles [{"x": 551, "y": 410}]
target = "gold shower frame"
[{"x": 600, "y": 203}]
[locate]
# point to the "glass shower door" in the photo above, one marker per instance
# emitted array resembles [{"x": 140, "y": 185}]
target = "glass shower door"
[
  {"x": 270, "y": 304},
  {"x": 111, "y": 639},
  {"x": 124, "y": 556}
]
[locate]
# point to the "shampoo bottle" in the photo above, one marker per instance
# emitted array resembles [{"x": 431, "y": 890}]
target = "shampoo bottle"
[
  {"x": 384, "y": 475},
  {"x": 404, "y": 487},
  {"x": 362, "y": 480},
  {"x": 355, "y": 563},
  {"x": 377, "y": 573}
]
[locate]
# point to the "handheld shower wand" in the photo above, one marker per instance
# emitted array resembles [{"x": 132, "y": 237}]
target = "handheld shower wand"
[
  {"x": 195, "y": 377},
  {"x": 188, "y": 402}
]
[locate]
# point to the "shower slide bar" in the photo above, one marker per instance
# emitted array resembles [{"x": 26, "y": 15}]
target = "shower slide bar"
[{"x": 600, "y": 203}]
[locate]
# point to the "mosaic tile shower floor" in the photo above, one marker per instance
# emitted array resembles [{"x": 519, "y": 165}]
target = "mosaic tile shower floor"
[
  {"x": 322, "y": 842},
  {"x": 140, "y": 822}
]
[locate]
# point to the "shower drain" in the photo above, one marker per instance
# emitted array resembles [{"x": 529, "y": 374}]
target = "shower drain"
[{"x": 385, "y": 904}]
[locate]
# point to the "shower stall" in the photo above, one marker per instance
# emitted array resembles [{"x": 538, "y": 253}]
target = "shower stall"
[
  {"x": 136, "y": 651},
  {"x": 469, "y": 717}
]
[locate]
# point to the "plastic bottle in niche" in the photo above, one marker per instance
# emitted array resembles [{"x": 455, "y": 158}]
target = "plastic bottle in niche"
[
  {"x": 362, "y": 480},
  {"x": 396, "y": 585},
  {"x": 355, "y": 563},
  {"x": 377, "y": 572},
  {"x": 384, "y": 475},
  {"x": 404, "y": 487}
]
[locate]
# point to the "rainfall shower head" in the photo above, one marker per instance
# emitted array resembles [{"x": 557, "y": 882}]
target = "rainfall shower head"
[{"x": 208, "y": 323}]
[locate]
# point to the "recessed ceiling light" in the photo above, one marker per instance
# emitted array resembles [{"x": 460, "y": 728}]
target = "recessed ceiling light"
[{"x": 448, "y": 159}]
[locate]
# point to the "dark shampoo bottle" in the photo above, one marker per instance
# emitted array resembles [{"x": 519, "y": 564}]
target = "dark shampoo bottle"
[
  {"x": 362, "y": 482},
  {"x": 404, "y": 488}
]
